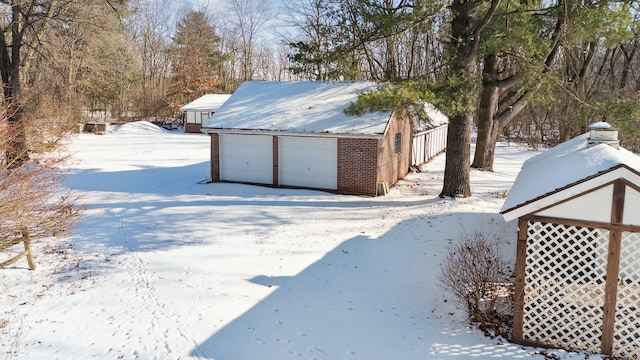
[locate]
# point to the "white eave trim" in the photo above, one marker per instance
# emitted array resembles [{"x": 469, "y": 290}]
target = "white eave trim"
[
  {"x": 580, "y": 188},
  {"x": 288, "y": 133}
]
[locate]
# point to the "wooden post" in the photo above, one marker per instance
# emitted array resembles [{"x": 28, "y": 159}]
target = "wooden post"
[
  {"x": 27, "y": 250},
  {"x": 26, "y": 240},
  {"x": 613, "y": 268},
  {"x": 521, "y": 262},
  {"x": 611, "y": 292}
]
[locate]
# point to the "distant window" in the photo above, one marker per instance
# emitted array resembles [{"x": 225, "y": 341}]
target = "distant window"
[
  {"x": 397, "y": 143},
  {"x": 203, "y": 117}
]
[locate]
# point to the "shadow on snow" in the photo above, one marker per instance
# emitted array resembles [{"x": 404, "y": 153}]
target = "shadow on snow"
[
  {"x": 366, "y": 299},
  {"x": 151, "y": 208}
]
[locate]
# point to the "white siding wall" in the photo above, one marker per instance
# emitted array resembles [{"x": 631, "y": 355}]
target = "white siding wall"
[
  {"x": 631, "y": 207},
  {"x": 593, "y": 206},
  {"x": 191, "y": 117}
]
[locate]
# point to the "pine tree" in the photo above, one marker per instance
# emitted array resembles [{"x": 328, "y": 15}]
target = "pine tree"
[
  {"x": 196, "y": 61},
  {"x": 518, "y": 64}
]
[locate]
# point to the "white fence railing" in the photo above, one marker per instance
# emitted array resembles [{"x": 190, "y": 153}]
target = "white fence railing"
[{"x": 427, "y": 144}]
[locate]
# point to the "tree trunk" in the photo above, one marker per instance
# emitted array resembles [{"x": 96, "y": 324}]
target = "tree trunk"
[
  {"x": 488, "y": 107},
  {"x": 490, "y": 152},
  {"x": 627, "y": 64},
  {"x": 457, "y": 181},
  {"x": 500, "y": 101},
  {"x": 24, "y": 14},
  {"x": 17, "y": 153},
  {"x": 466, "y": 35}
]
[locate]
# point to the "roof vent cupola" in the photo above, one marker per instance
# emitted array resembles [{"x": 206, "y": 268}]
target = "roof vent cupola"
[{"x": 602, "y": 132}]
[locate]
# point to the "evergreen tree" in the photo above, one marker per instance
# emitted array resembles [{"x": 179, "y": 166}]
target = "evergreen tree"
[
  {"x": 356, "y": 39},
  {"x": 456, "y": 94},
  {"x": 516, "y": 44},
  {"x": 196, "y": 60},
  {"x": 517, "y": 66}
]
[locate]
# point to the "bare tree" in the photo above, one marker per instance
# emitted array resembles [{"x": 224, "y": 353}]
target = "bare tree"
[
  {"x": 248, "y": 18},
  {"x": 32, "y": 203},
  {"x": 477, "y": 274},
  {"x": 313, "y": 38},
  {"x": 150, "y": 26},
  {"x": 25, "y": 21}
]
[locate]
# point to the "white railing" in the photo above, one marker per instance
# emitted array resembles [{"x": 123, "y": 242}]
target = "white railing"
[{"x": 427, "y": 144}]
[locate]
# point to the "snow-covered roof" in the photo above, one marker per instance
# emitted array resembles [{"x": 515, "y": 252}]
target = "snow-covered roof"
[
  {"x": 299, "y": 106},
  {"x": 436, "y": 117},
  {"x": 208, "y": 102},
  {"x": 565, "y": 166}
]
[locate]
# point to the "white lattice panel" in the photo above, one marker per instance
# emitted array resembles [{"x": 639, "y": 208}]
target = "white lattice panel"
[
  {"x": 626, "y": 333},
  {"x": 564, "y": 285}
]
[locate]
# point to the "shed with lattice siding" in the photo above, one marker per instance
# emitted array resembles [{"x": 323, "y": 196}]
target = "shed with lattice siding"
[{"x": 578, "y": 250}]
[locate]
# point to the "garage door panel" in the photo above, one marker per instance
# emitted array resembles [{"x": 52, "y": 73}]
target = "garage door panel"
[
  {"x": 308, "y": 162},
  {"x": 246, "y": 158}
]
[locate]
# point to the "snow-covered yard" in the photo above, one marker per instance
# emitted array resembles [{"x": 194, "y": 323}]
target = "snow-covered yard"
[{"x": 163, "y": 266}]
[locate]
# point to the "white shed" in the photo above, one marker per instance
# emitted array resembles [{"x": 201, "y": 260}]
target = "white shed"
[
  {"x": 578, "y": 251},
  {"x": 200, "y": 109}
]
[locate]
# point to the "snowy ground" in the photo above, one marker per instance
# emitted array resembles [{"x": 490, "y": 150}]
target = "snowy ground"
[{"x": 164, "y": 267}]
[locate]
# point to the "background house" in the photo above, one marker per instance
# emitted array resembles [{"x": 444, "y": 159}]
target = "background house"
[
  {"x": 578, "y": 250},
  {"x": 295, "y": 134},
  {"x": 200, "y": 109}
]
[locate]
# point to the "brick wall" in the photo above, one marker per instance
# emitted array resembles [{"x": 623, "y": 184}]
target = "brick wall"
[
  {"x": 394, "y": 166},
  {"x": 357, "y": 166},
  {"x": 192, "y": 128},
  {"x": 215, "y": 157}
]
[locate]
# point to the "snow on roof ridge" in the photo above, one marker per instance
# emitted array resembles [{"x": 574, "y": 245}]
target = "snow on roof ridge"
[
  {"x": 211, "y": 102},
  {"x": 563, "y": 166}
]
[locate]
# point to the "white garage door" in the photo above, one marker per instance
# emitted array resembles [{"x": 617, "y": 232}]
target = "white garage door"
[
  {"x": 308, "y": 162},
  {"x": 246, "y": 158}
]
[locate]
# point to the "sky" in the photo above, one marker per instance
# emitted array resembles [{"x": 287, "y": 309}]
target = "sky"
[
  {"x": 217, "y": 5},
  {"x": 271, "y": 32}
]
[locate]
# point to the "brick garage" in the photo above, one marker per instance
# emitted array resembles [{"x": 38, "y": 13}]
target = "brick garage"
[
  {"x": 362, "y": 163},
  {"x": 295, "y": 134}
]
